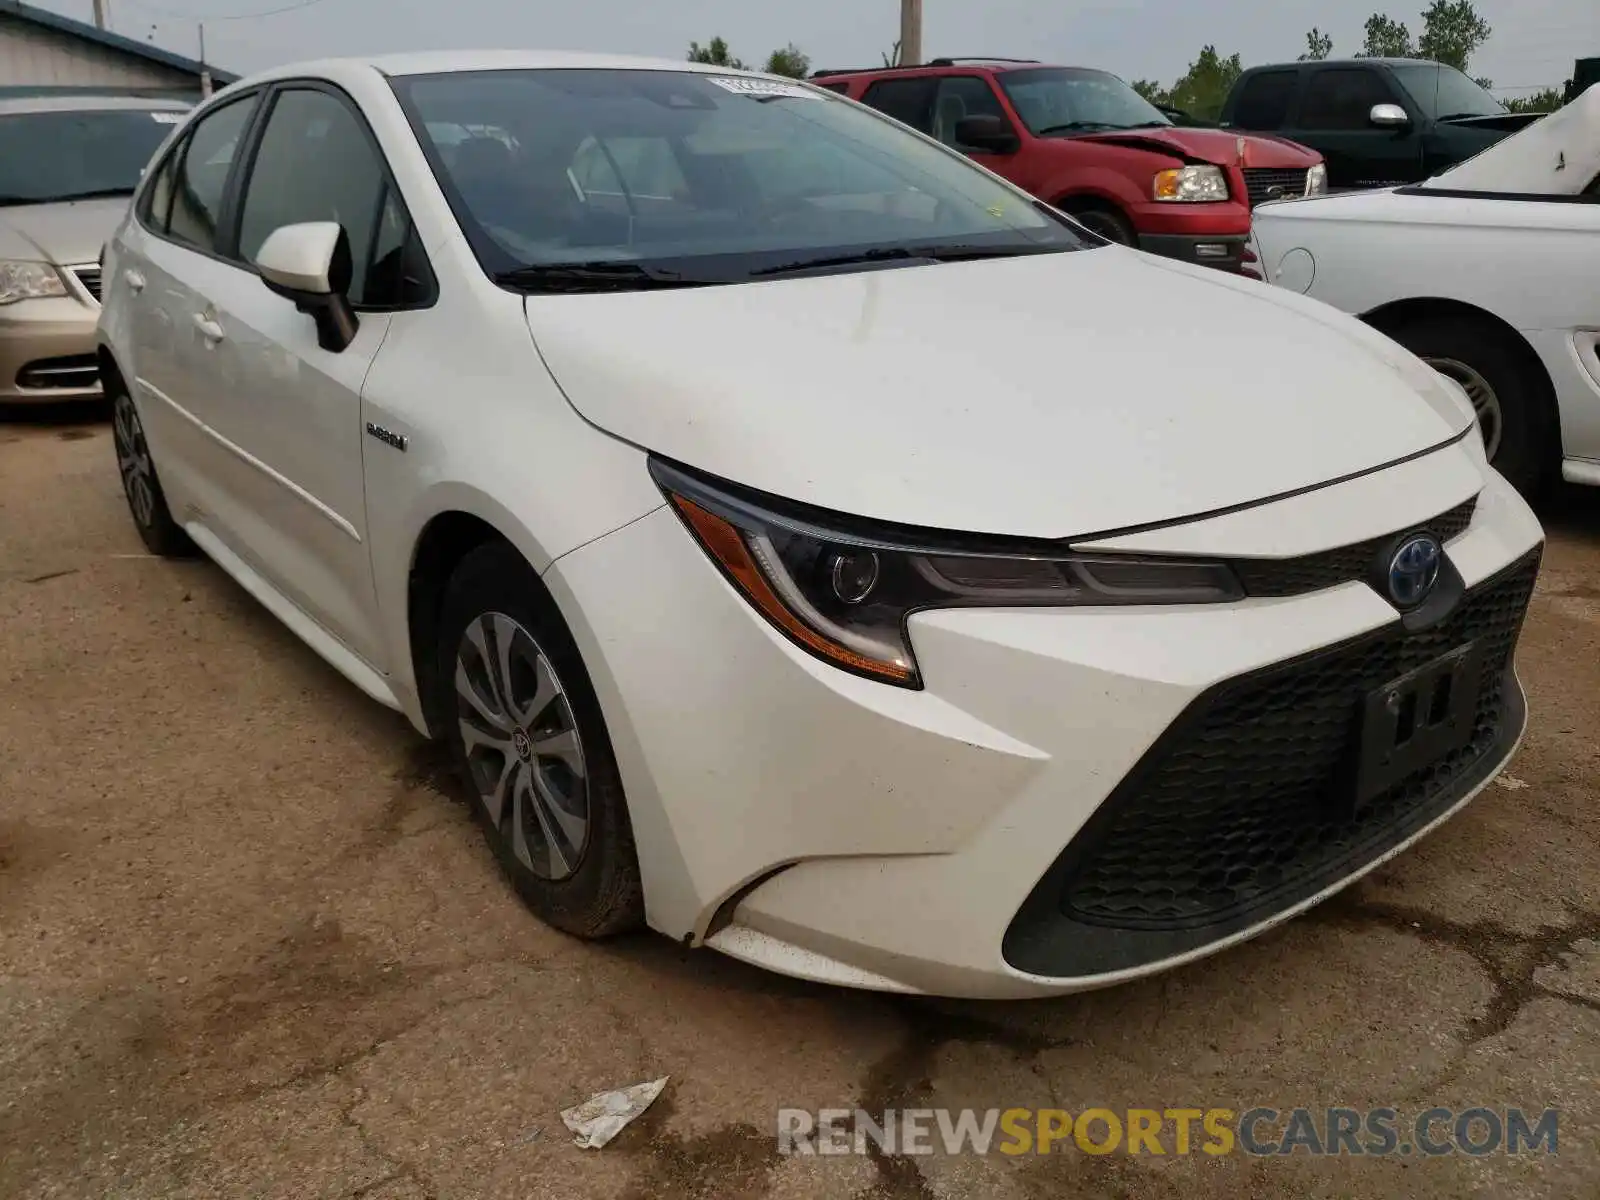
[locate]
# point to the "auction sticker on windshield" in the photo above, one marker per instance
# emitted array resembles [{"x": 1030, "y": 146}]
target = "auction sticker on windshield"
[
  {"x": 161, "y": 118},
  {"x": 762, "y": 88}
]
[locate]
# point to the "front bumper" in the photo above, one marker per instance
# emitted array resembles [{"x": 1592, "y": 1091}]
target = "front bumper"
[
  {"x": 48, "y": 351},
  {"x": 841, "y": 830},
  {"x": 1224, "y": 253}
]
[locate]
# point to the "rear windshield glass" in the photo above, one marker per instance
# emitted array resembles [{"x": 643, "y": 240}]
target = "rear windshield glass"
[
  {"x": 547, "y": 167},
  {"x": 49, "y": 156}
]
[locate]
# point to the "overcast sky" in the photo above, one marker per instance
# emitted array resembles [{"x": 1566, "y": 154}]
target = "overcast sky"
[{"x": 1135, "y": 38}]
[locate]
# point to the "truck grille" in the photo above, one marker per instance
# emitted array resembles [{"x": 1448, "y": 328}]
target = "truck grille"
[
  {"x": 1236, "y": 813},
  {"x": 89, "y": 277},
  {"x": 1260, "y": 183}
]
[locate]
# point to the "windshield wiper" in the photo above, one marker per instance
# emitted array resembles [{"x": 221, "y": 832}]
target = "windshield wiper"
[
  {"x": 595, "y": 277},
  {"x": 953, "y": 252},
  {"x": 1076, "y": 127}
]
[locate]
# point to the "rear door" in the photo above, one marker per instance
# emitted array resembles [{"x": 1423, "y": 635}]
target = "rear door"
[
  {"x": 1334, "y": 117},
  {"x": 1265, "y": 100},
  {"x": 175, "y": 234},
  {"x": 908, "y": 100}
]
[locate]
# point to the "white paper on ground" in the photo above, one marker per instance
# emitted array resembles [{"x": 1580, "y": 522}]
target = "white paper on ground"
[{"x": 605, "y": 1114}]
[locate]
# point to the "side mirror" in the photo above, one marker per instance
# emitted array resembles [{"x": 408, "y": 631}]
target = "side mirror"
[
  {"x": 1388, "y": 116},
  {"x": 310, "y": 264},
  {"x": 988, "y": 132}
]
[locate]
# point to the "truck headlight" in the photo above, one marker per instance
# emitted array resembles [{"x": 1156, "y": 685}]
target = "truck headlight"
[
  {"x": 1191, "y": 183},
  {"x": 1317, "y": 180},
  {"x": 29, "y": 281}
]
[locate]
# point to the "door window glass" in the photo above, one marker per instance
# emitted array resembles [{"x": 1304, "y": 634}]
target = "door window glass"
[
  {"x": 907, "y": 100},
  {"x": 1342, "y": 98},
  {"x": 202, "y": 176},
  {"x": 1264, "y": 100},
  {"x": 962, "y": 96},
  {"x": 315, "y": 163}
]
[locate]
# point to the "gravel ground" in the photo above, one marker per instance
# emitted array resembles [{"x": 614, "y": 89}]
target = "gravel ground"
[{"x": 252, "y": 945}]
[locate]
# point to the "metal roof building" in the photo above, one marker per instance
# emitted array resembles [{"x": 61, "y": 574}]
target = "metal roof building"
[{"x": 43, "y": 52}]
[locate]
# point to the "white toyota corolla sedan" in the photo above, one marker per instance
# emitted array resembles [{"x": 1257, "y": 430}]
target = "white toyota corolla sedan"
[{"x": 812, "y": 546}]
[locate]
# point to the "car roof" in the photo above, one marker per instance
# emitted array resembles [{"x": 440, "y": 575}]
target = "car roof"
[
  {"x": 1346, "y": 62},
  {"x": 88, "y": 102},
  {"x": 432, "y": 62}
]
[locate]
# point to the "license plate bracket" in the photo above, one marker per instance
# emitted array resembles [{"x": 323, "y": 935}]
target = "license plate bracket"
[{"x": 1416, "y": 719}]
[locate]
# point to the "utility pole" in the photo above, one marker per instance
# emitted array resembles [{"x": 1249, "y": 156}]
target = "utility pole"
[
  {"x": 910, "y": 33},
  {"x": 205, "y": 71},
  {"x": 99, "y": 14}
]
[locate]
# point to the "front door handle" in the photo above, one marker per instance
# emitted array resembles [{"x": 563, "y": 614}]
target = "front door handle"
[
  {"x": 209, "y": 329},
  {"x": 134, "y": 280}
]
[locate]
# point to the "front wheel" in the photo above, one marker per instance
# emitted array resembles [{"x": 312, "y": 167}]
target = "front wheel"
[
  {"x": 1111, "y": 225},
  {"x": 1509, "y": 393},
  {"x": 530, "y": 741}
]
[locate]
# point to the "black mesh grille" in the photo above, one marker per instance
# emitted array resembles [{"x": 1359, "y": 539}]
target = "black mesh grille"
[
  {"x": 1235, "y": 807},
  {"x": 1260, "y": 182},
  {"x": 1313, "y": 572},
  {"x": 90, "y": 278}
]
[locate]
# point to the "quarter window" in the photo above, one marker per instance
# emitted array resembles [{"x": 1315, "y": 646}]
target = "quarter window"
[
  {"x": 1342, "y": 98},
  {"x": 201, "y": 176},
  {"x": 315, "y": 163}
]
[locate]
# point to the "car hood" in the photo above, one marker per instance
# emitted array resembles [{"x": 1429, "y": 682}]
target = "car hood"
[
  {"x": 1557, "y": 155},
  {"x": 1221, "y": 147},
  {"x": 1045, "y": 396},
  {"x": 67, "y": 233}
]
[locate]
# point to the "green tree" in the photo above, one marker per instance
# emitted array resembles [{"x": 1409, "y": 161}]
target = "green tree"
[
  {"x": 1452, "y": 31},
  {"x": 790, "y": 61},
  {"x": 1151, "y": 90},
  {"x": 1544, "y": 101},
  {"x": 1205, "y": 85},
  {"x": 1318, "y": 46},
  {"x": 716, "y": 53},
  {"x": 1387, "y": 38}
]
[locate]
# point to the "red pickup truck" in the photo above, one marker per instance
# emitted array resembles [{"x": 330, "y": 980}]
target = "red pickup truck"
[{"x": 1087, "y": 143}]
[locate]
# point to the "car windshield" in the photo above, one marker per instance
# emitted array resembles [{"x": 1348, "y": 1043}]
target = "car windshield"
[
  {"x": 1444, "y": 92},
  {"x": 66, "y": 155},
  {"x": 1054, "y": 100},
  {"x": 622, "y": 178}
]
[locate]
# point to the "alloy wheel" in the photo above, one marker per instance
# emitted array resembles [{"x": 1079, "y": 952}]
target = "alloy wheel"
[
  {"x": 523, "y": 749},
  {"x": 133, "y": 460},
  {"x": 1484, "y": 401}
]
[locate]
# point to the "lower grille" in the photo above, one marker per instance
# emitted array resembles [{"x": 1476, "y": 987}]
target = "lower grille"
[
  {"x": 90, "y": 278},
  {"x": 1234, "y": 814},
  {"x": 1271, "y": 183},
  {"x": 73, "y": 371}
]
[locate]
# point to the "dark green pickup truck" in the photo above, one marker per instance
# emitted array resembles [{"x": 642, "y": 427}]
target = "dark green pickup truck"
[{"x": 1376, "y": 121}]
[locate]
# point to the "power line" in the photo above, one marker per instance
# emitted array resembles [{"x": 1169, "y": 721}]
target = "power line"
[{"x": 249, "y": 16}]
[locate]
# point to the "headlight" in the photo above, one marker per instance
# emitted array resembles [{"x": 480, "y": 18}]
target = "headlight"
[
  {"x": 29, "y": 281},
  {"x": 1317, "y": 180},
  {"x": 843, "y": 589},
  {"x": 1191, "y": 183}
]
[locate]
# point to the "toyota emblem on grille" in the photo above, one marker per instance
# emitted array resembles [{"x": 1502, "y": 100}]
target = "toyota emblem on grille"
[{"x": 1414, "y": 570}]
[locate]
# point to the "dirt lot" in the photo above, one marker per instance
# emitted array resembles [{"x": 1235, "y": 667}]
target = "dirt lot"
[{"x": 250, "y": 945}]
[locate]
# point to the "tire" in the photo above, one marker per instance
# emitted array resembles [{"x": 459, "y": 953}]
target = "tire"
[
  {"x": 1105, "y": 221},
  {"x": 147, "y": 504},
  {"x": 1516, "y": 412},
  {"x": 539, "y": 761}
]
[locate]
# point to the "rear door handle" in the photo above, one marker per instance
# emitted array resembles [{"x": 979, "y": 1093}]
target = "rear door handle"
[
  {"x": 209, "y": 329},
  {"x": 134, "y": 280}
]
